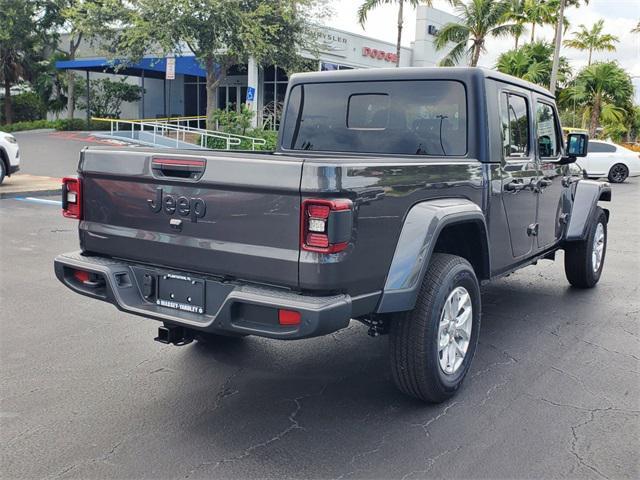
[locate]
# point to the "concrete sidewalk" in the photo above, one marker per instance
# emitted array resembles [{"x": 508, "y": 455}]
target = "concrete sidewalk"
[{"x": 20, "y": 185}]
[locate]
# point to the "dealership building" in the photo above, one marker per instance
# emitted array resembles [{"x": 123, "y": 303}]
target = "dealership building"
[{"x": 180, "y": 89}]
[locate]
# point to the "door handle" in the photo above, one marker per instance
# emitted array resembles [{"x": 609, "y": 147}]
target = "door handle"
[
  {"x": 543, "y": 183},
  {"x": 517, "y": 185}
]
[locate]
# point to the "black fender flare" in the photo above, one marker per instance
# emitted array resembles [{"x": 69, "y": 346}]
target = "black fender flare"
[
  {"x": 422, "y": 226},
  {"x": 586, "y": 196}
]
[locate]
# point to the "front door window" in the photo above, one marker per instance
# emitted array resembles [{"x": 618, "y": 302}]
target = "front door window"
[
  {"x": 519, "y": 171},
  {"x": 550, "y": 189}
]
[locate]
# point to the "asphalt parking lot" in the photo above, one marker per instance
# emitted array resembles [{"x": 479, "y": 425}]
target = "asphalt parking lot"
[{"x": 554, "y": 391}]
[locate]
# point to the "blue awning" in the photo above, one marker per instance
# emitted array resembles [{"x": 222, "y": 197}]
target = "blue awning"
[{"x": 152, "y": 66}]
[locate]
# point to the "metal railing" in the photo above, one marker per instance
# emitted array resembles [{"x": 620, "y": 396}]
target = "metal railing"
[{"x": 178, "y": 129}]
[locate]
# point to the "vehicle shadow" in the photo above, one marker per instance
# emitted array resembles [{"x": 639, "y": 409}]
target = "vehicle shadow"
[{"x": 278, "y": 403}]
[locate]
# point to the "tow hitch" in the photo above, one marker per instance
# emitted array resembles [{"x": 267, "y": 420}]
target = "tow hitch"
[{"x": 174, "y": 335}]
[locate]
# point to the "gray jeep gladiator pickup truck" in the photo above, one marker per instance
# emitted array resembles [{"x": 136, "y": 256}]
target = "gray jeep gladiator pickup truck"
[{"x": 392, "y": 194}]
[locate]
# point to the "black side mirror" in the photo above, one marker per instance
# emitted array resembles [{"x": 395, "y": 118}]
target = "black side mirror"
[{"x": 577, "y": 144}]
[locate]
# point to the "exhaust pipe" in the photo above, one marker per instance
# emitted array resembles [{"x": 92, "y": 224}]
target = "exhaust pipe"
[{"x": 174, "y": 335}]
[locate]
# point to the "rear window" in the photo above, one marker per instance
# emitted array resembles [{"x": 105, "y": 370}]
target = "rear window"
[{"x": 422, "y": 117}]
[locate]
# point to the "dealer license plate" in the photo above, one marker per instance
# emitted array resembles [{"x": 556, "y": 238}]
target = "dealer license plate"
[{"x": 181, "y": 292}]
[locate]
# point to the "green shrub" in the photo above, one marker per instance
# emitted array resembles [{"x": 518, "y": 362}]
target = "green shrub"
[
  {"x": 64, "y": 124},
  {"x": 75, "y": 124},
  {"x": 22, "y": 126},
  {"x": 26, "y": 107},
  {"x": 67, "y": 124}
]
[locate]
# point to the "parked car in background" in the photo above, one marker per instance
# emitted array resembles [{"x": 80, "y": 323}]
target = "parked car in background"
[
  {"x": 606, "y": 159},
  {"x": 9, "y": 155}
]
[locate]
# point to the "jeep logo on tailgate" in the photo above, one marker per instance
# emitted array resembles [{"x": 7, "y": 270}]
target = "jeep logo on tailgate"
[{"x": 194, "y": 208}]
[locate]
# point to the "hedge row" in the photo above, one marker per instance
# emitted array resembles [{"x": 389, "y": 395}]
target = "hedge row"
[{"x": 61, "y": 124}]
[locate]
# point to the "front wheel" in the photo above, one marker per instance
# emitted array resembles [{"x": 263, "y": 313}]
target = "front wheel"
[
  {"x": 2, "y": 170},
  {"x": 618, "y": 173},
  {"x": 584, "y": 260},
  {"x": 432, "y": 346}
]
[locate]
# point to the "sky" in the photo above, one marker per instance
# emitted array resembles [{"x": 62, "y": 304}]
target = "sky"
[{"x": 620, "y": 17}]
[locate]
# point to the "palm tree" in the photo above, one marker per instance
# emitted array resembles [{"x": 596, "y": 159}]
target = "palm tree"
[
  {"x": 532, "y": 62},
  {"x": 539, "y": 13},
  {"x": 601, "y": 88},
  {"x": 558, "y": 39},
  {"x": 636, "y": 29},
  {"x": 480, "y": 19},
  {"x": 369, "y": 5},
  {"x": 517, "y": 15},
  {"x": 593, "y": 39}
]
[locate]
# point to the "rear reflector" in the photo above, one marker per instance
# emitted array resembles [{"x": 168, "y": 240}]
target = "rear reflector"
[
  {"x": 72, "y": 197},
  {"x": 289, "y": 317},
  {"x": 81, "y": 276}
]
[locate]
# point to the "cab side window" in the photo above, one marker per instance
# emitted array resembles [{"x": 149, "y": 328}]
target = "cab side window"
[
  {"x": 546, "y": 131},
  {"x": 515, "y": 126}
]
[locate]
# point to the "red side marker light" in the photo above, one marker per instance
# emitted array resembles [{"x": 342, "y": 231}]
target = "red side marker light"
[{"x": 289, "y": 317}]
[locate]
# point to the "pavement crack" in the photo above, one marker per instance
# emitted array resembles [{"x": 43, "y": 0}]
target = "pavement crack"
[
  {"x": 574, "y": 446},
  {"x": 573, "y": 449},
  {"x": 430, "y": 463},
  {"x": 294, "y": 424},
  {"x": 225, "y": 390},
  {"x": 510, "y": 361},
  {"x": 425, "y": 425},
  {"x": 609, "y": 350}
]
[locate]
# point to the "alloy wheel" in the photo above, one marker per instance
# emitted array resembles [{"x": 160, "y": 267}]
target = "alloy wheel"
[
  {"x": 454, "y": 331},
  {"x": 597, "y": 249}
]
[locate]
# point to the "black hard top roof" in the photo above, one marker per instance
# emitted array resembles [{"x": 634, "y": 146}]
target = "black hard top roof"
[{"x": 464, "y": 74}]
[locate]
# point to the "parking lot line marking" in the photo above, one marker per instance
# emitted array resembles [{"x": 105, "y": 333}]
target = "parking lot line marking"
[{"x": 44, "y": 201}]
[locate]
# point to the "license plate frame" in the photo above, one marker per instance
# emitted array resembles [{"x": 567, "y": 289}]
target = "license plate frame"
[{"x": 181, "y": 292}]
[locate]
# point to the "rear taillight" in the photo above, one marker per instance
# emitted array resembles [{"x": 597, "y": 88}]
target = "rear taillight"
[
  {"x": 72, "y": 197},
  {"x": 326, "y": 225}
]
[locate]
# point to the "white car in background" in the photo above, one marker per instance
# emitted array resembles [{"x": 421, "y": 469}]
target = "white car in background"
[
  {"x": 606, "y": 159},
  {"x": 9, "y": 155}
]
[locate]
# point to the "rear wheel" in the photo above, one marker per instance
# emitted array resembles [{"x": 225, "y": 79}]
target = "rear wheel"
[
  {"x": 432, "y": 346},
  {"x": 584, "y": 260},
  {"x": 618, "y": 173}
]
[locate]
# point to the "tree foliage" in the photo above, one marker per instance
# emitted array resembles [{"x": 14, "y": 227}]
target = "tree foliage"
[
  {"x": 604, "y": 91},
  {"x": 480, "y": 19},
  {"x": 107, "y": 96},
  {"x": 26, "y": 29},
  {"x": 89, "y": 21},
  {"x": 369, "y": 5},
  {"x": 221, "y": 33},
  {"x": 593, "y": 39},
  {"x": 532, "y": 62}
]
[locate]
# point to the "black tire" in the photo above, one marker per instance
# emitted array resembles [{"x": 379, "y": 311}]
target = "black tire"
[
  {"x": 414, "y": 335},
  {"x": 2, "y": 169},
  {"x": 578, "y": 256},
  {"x": 618, "y": 173}
]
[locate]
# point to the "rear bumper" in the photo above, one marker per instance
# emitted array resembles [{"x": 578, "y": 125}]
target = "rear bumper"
[
  {"x": 230, "y": 307},
  {"x": 13, "y": 169}
]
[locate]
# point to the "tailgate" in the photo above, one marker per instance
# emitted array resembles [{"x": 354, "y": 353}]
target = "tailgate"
[{"x": 229, "y": 214}]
